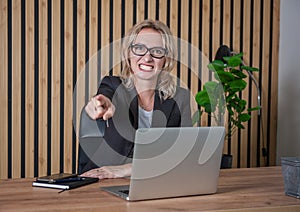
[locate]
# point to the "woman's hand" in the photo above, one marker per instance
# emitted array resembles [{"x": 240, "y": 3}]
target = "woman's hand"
[
  {"x": 109, "y": 172},
  {"x": 100, "y": 107}
]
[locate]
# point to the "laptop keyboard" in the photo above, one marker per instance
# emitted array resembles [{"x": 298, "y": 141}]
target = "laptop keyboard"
[{"x": 124, "y": 191}]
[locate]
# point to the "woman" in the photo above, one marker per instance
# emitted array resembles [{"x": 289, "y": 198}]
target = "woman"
[{"x": 145, "y": 95}]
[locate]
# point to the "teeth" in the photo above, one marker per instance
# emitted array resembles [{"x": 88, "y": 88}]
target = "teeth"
[{"x": 147, "y": 68}]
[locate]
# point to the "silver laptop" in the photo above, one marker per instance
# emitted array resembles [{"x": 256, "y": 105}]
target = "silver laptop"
[{"x": 173, "y": 162}]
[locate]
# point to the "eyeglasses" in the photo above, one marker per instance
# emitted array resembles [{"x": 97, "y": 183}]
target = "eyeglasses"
[{"x": 141, "y": 50}]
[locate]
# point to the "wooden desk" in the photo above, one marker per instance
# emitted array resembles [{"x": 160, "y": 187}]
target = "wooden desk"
[{"x": 254, "y": 189}]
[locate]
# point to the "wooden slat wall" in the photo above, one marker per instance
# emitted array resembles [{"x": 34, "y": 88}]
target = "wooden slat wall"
[{"x": 51, "y": 48}]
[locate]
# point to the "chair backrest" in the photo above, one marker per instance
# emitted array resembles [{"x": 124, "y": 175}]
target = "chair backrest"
[{"x": 93, "y": 150}]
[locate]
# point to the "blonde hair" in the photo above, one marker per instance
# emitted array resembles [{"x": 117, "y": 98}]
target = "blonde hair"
[{"x": 166, "y": 84}]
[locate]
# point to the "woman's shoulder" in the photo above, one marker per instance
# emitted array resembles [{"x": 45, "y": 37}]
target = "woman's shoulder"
[
  {"x": 182, "y": 91},
  {"x": 112, "y": 81},
  {"x": 182, "y": 94},
  {"x": 108, "y": 85}
]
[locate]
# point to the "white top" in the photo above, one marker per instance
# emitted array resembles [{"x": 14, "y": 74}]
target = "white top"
[{"x": 145, "y": 118}]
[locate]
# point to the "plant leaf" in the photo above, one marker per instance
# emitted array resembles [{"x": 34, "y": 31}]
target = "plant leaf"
[
  {"x": 234, "y": 61},
  {"x": 210, "y": 86},
  {"x": 239, "y": 125},
  {"x": 237, "y": 85},
  {"x": 204, "y": 100},
  {"x": 238, "y": 73},
  {"x": 224, "y": 76},
  {"x": 196, "y": 117},
  {"x": 248, "y": 68},
  {"x": 242, "y": 105},
  {"x": 216, "y": 65},
  {"x": 253, "y": 108},
  {"x": 244, "y": 117}
]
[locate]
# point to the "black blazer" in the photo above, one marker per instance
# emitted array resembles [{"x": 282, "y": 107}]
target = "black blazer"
[{"x": 119, "y": 136}]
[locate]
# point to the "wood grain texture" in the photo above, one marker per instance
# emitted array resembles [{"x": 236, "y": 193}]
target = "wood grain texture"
[
  {"x": 68, "y": 86},
  {"x": 56, "y": 86},
  {"x": 4, "y": 89},
  {"x": 16, "y": 88},
  {"x": 43, "y": 88},
  {"x": 273, "y": 94},
  {"x": 79, "y": 90},
  {"x": 254, "y": 189},
  {"x": 30, "y": 89}
]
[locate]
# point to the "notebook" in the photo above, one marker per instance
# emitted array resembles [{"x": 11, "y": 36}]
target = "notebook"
[
  {"x": 63, "y": 183},
  {"x": 173, "y": 162}
]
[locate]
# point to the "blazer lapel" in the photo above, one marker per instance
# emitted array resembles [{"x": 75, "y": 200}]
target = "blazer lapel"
[
  {"x": 133, "y": 108},
  {"x": 162, "y": 111}
]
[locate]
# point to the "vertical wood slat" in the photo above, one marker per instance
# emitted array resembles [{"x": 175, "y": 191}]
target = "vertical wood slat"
[
  {"x": 195, "y": 53},
  {"x": 274, "y": 71},
  {"x": 16, "y": 88},
  {"x": 216, "y": 32},
  {"x": 174, "y": 27},
  {"x": 43, "y": 87},
  {"x": 129, "y": 14},
  {"x": 140, "y": 11},
  {"x": 226, "y": 38},
  {"x": 105, "y": 38},
  {"x": 80, "y": 55},
  {"x": 236, "y": 46},
  {"x": 162, "y": 11},
  {"x": 226, "y": 22},
  {"x": 68, "y": 85},
  {"x": 184, "y": 42},
  {"x": 30, "y": 87},
  {"x": 255, "y": 63},
  {"x": 151, "y": 9},
  {"x": 117, "y": 14},
  {"x": 216, "y": 26},
  {"x": 207, "y": 31},
  {"x": 205, "y": 48},
  {"x": 246, "y": 50},
  {"x": 4, "y": 90},
  {"x": 55, "y": 86},
  {"x": 265, "y": 74},
  {"x": 93, "y": 40}
]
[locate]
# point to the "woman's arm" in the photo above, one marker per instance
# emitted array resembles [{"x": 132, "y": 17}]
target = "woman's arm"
[
  {"x": 100, "y": 107},
  {"x": 109, "y": 172}
]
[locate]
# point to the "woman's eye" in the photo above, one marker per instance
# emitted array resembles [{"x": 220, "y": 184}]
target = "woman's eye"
[
  {"x": 158, "y": 51},
  {"x": 139, "y": 48}
]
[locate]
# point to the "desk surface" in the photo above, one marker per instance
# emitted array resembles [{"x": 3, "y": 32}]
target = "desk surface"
[{"x": 250, "y": 189}]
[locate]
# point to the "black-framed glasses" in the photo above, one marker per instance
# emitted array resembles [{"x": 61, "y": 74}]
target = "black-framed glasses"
[{"x": 141, "y": 50}]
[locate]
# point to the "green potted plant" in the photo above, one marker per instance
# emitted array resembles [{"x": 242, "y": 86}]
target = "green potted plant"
[{"x": 220, "y": 98}]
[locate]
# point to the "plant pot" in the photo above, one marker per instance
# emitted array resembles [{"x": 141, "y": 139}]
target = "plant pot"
[
  {"x": 291, "y": 175},
  {"x": 226, "y": 162}
]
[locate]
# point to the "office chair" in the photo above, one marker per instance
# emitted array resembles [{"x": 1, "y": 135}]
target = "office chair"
[{"x": 93, "y": 150}]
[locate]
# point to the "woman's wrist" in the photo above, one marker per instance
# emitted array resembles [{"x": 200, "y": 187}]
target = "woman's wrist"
[{"x": 127, "y": 169}]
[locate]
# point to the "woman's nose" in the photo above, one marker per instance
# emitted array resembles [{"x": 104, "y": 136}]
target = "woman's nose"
[{"x": 148, "y": 57}]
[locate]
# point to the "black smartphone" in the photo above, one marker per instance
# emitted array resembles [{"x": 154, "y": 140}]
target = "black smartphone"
[{"x": 52, "y": 178}]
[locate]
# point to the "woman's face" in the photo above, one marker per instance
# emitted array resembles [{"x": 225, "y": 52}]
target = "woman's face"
[{"x": 147, "y": 67}]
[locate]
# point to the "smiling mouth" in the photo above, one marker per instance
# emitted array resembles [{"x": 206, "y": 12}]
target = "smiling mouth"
[{"x": 146, "y": 67}]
